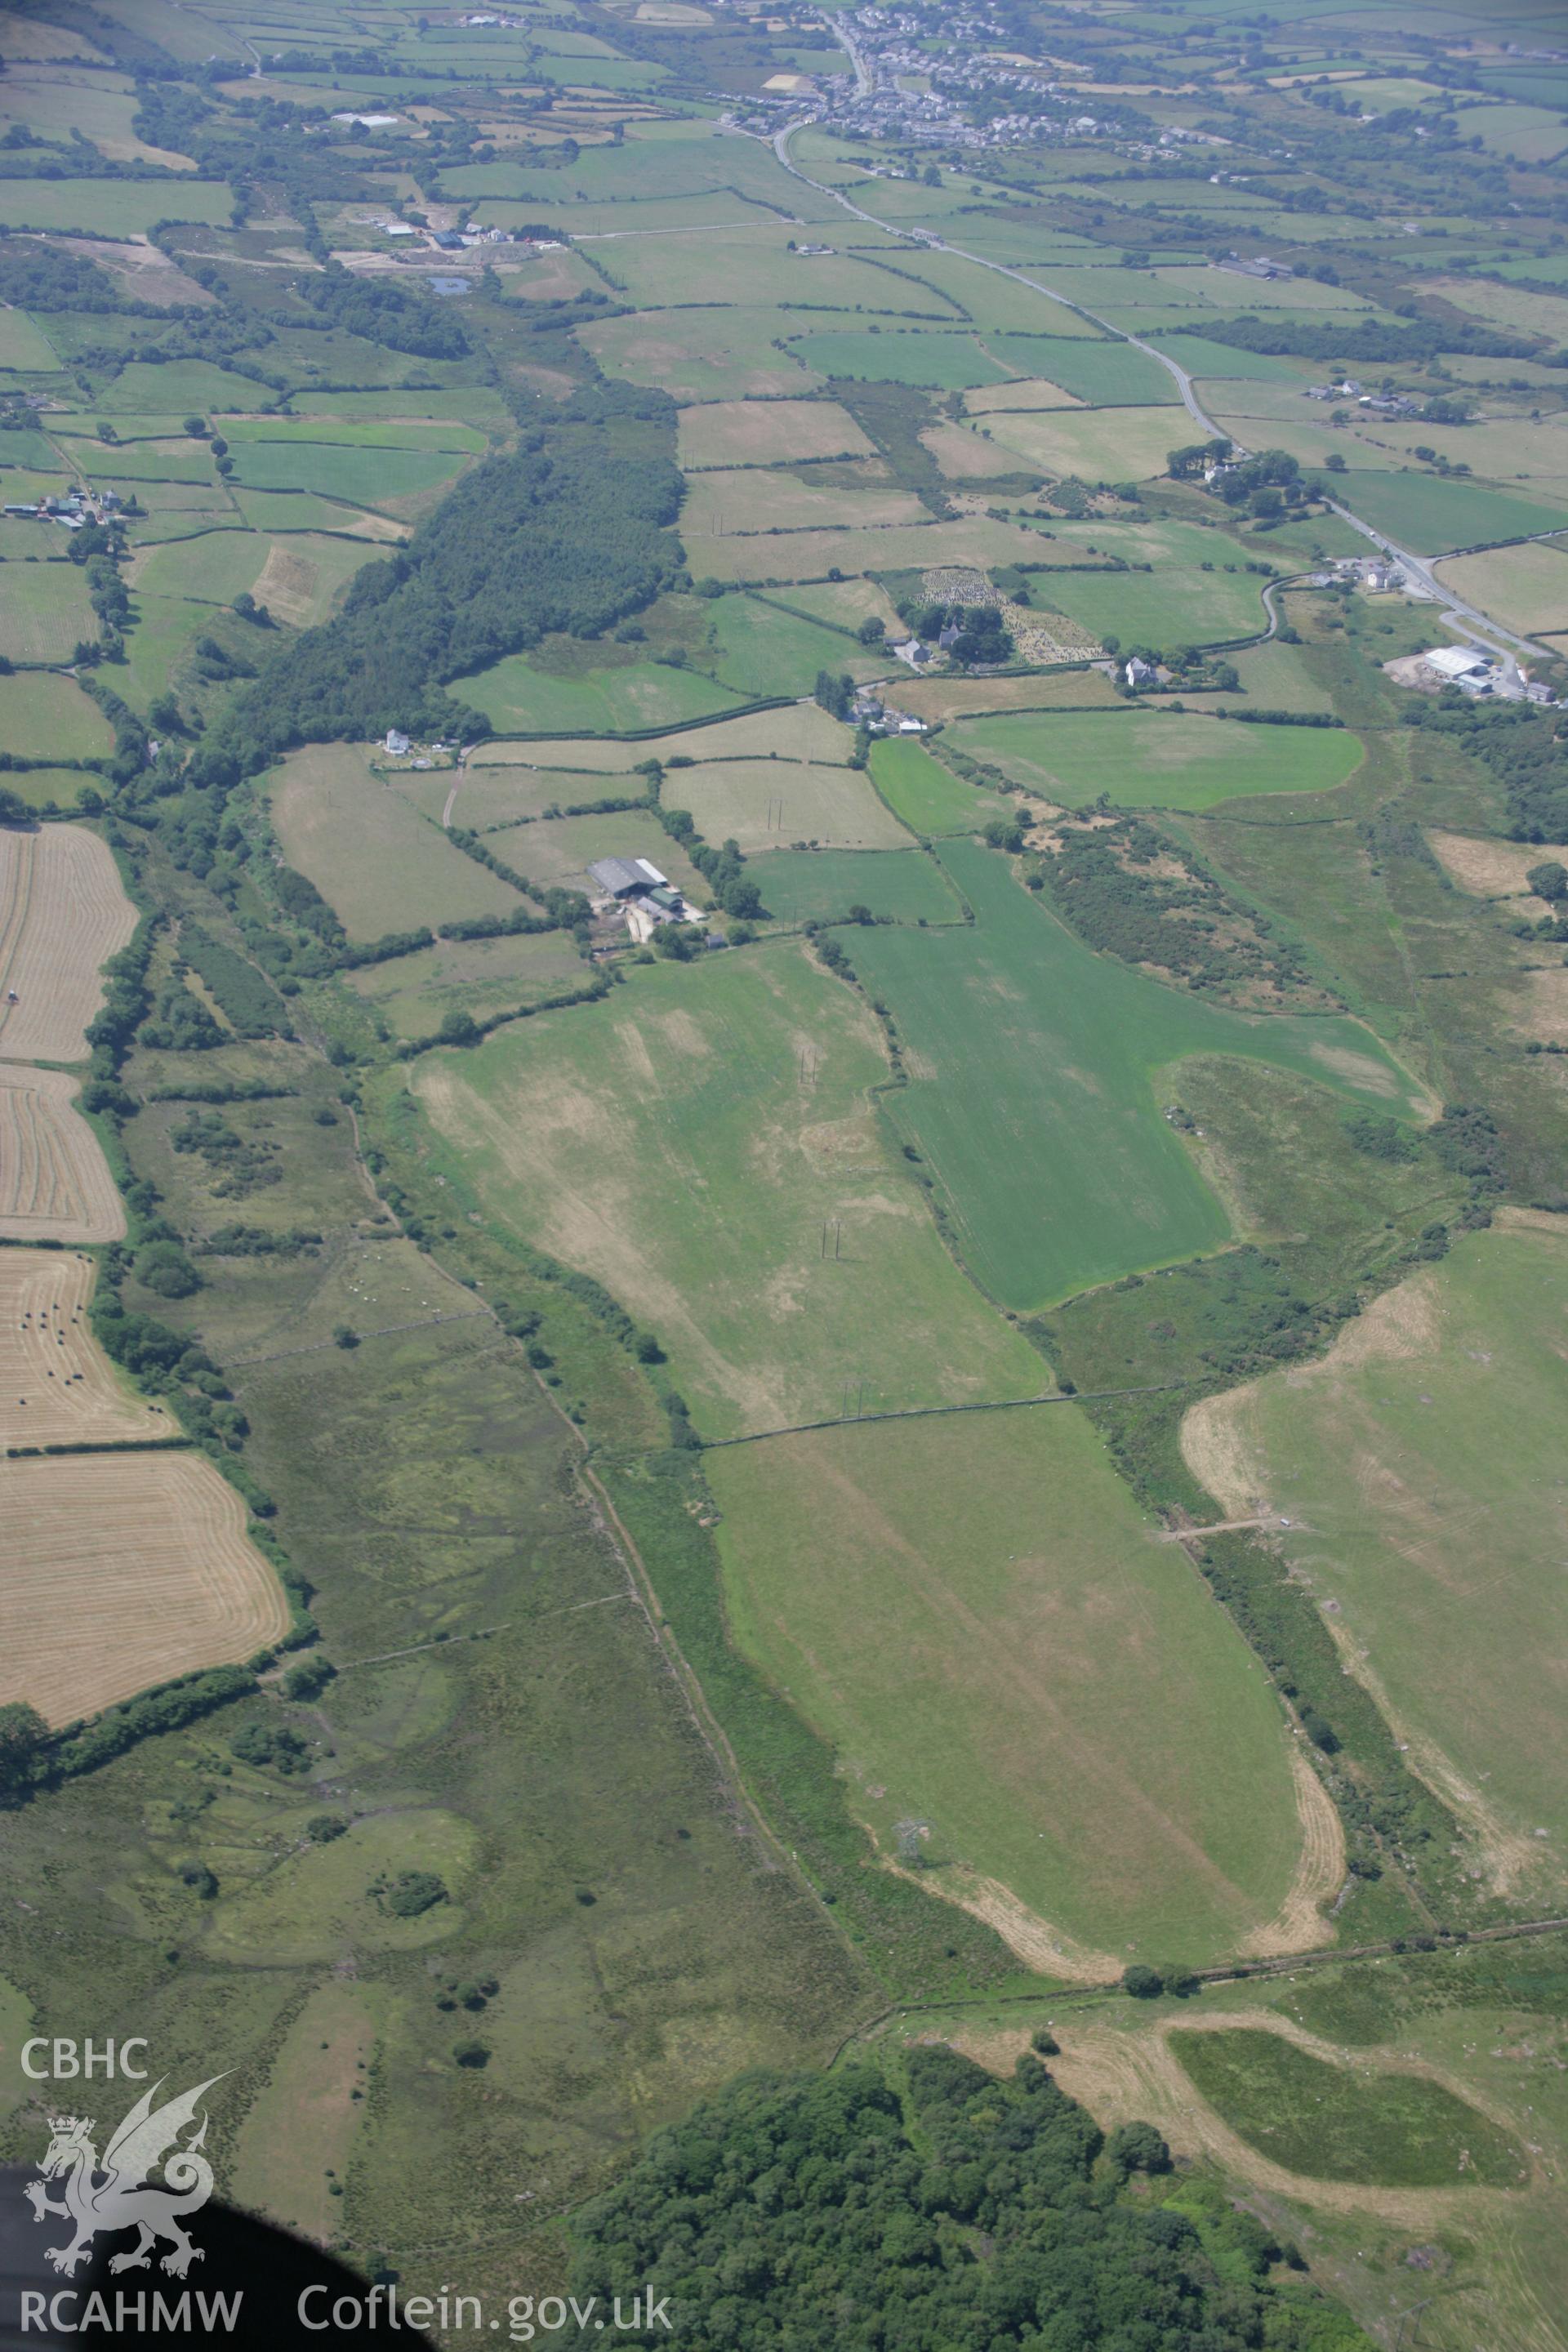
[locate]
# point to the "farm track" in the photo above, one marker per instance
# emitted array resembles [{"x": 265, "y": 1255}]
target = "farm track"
[
  {"x": 1227, "y": 1972},
  {"x": 931, "y": 1411}
]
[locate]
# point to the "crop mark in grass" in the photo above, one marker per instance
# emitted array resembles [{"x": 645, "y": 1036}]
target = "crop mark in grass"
[
  {"x": 1321, "y": 2120},
  {"x": 988, "y": 1625},
  {"x": 382, "y": 1331},
  {"x": 1420, "y": 1448}
]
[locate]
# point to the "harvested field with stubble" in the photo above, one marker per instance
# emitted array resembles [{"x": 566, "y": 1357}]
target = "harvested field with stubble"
[
  {"x": 118, "y": 1570},
  {"x": 55, "y": 1183},
  {"x": 62, "y": 914},
  {"x": 57, "y": 1385}
]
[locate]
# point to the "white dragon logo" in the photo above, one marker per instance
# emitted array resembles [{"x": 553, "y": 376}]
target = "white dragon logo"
[{"x": 122, "y": 2199}]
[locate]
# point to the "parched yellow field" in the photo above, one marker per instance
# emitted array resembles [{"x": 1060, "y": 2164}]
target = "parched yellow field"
[
  {"x": 62, "y": 914},
  {"x": 965, "y": 456},
  {"x": 812, "y": 554},
  {"x": 55, "y": 1183},
  {"x": 959, "y": 698},
  {"x": 1114, "y": 444},
  {"x": 57, "y": 1385},
  {"x": 731, "y": 502},
  {"x": 1027, "y": 391},
  {"x": 767, "y": 433},
  {"x": 118, "y": 1570},
  {"x": 769, "y": 804},
  {"x": 1487, "y": 869},
  {"x": 1524, "y": 587}
]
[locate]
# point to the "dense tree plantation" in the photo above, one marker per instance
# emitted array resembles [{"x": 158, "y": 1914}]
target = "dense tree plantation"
[
  {"x": 966, "y": 2215},
  {"x": 571, "y": 532}
]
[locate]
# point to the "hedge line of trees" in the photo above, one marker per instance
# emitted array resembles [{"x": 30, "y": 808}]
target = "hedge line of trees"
[{"x": 1364, "y": 340}]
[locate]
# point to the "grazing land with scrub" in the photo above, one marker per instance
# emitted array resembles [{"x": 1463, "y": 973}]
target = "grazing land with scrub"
[
  {"x": 1036, "y": 1084},
  {"x": 1333, "y": 2122},
  {"x": 1413, "y": 1459}
]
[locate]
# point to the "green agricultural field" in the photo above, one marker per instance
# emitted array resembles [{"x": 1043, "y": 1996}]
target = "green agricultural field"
[
  {"x": 158, "y": 641},
  {"x": 842, "y": 604},
  {"x": 1420, "y": 1456},
  {"x": 1201, "y": 357},
  {"x": 479, "y": 977},
  {"x": 381, "y": 866},
  {"x": 1274, "y": 676},
  {"x": 488, "y": 794},
  {"x": 1157, "y": 759},
  {"x": 752, "y": 266},
  {"x": 996, "y": 305},
  {"x": 1038, "y": 1070},
  {"x": 946, "y": 358},
  {"x": 688, "y": 1142},
  {"x": 1096, "y": 445},
  {"x": 24, "y": 447},
  {"x": 812, "y": 555},
  {"x": 1000, "y": 1652},
  {"x": 559, "y": 850},
  {"x": 460, "y": 404},
  {"x": 1428, "y": 514},
  {"x": 1333, "y": 2122},
  {"x": 151, "y": 461},
  {"x": 23, "y": 345},
  {"x": 1105, "y": 375},
  {"x": 296, "y": 581},
  {"x": 1165, "y": 608},
  {"x": 47, "y": 718},
  {"x": 178, "y": 388},
  {"x": 718, "y": 354},
  {"x": 110, "y": 207},
  {"x": 44, "y": 611},
  {"x": 38, "y": 787},
  {"x": 520, "y": 699},
  {"x": 820, "y": 886},
  {"x": 773, "y": 803},
  {"x": 287, "y": 512},
  {"x": 368, "y": 478},
  {"x": 355, "y": 433},
  {"x": 928, "y": 797},
  {"x": 1532, "y": 133}
]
